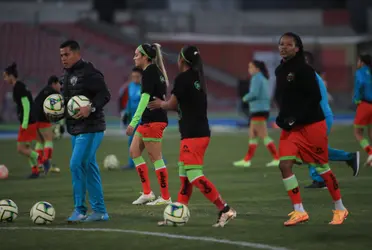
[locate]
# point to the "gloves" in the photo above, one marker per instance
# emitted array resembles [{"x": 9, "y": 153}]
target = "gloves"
[{"x": 286, "y": 123}]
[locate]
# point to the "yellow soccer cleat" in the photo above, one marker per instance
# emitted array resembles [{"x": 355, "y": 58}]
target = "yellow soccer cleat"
[
  {"x": 242, "y": 163},
  {"x": 339, "y": 216},
  {"x": 296, "y": 217}
]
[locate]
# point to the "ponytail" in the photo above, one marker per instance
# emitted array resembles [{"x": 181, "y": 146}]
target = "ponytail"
[
  {"x": 159, "y": 61},
  {"x": 198, "y": 67},
  {"x": 12, "y": 70},
  {"x": 191, "y": 56}
]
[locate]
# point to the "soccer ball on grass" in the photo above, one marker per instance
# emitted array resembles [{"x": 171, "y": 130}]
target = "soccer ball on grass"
[{"x": 176, "y": 214}]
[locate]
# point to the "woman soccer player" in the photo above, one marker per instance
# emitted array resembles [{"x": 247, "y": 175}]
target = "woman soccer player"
[
  {"x": 189, "y": 97},
  {"x": 27, "y": 131},
  {"x": 363, "y": 98},
  {"x": 259, "y": 103},
  {"x": 153, "y": 122}
]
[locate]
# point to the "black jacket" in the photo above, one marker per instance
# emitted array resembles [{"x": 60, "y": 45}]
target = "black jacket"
[
  {"x": 297, "y": 92},
  {"x": 84, "y": 79}
]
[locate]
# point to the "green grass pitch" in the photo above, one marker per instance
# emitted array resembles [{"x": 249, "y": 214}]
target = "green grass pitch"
[{"x": 257, "y": 193}]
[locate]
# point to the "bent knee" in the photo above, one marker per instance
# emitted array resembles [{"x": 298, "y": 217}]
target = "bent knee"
[{"x": 286, "y": 165}]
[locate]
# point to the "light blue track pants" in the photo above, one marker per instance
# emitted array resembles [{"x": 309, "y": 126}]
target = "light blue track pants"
[{"x": 85, "y": 172}]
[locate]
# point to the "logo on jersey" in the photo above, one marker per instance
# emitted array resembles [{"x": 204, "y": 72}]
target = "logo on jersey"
[
  {"x": 73, "y": 80},
  {"x": 290, "y": 77},
  {"x": 162, "y": 79},
  {"x": 197, "y": 85}
]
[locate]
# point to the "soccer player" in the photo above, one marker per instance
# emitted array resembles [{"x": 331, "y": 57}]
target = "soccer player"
[
  {"x": 86, "y": 128},
  {"x": 352, "y": 159},
  {"x": 129, "y": 100},
  {"x": 258, "y": 98},
  {"x": 27, "y": 130},
  {"x": 44, "y": 142},
  {"x": 153, "y": 122},
  {"x": 189, "y": 98},
  {"x": 304, "y": 130},
  {"x": 363, "y": 98}
]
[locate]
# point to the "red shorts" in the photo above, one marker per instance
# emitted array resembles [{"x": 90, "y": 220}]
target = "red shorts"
[
  {"x": 192, "y": 151},
  {"x": 41, "y": 125},
  {"x": 151, "y": 131},
  {"x": 363, "y": 115},
  {"x": 27, "y": 135},
  {"x": 306, "y": 144}
]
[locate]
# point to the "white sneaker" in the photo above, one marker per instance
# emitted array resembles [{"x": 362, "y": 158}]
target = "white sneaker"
[
  {"x": 224, "y": 218},
  {"x": 144, "y": 198},
  {"x": 159, "y": 201}
]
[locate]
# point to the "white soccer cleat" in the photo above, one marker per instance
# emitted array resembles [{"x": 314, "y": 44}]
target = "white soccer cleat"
[
  {"x": 159, "y": 201},
  {"x": 224, "y": 218},
  {"x": 144, "y": 198}
]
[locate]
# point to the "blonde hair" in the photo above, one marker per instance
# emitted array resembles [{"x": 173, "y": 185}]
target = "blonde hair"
[{"x": 159, "y": 61}]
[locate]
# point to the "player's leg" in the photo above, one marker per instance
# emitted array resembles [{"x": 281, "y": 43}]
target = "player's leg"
[
  {"x": 315, "y": 149},
  {"x": 25, "y": 139},
  {"x": 152, "y": 140},
  {"x": 94, "y": 184},
  {"x": 39, "y": 147},
  {"x": 289, "y": 155},
  {"x": 193, "y": 151},
  {"x": 351, "y": 159},
  {"x": 47, "y": 134},
  {"x": 261, "y": 129},
  {"x": 131, "y": 164},
  {"x": 185, "y": 191},
  {"x": 362, "y": 118},
  {"x": 136, "y": 148},
  {"x": 252, "y": 146},
  {"x": 80, "y": 150}
]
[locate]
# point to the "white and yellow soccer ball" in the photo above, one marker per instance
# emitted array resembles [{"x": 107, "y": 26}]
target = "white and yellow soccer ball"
[
  {"x": 176, "y": 214},
  {"x": 8, "y": 210},
  {"x": 76, "y": 102},
  {"x": 54, "y": 106},
  {"x": 111, "y": 162},
  {"x": 42, "y": 213}
]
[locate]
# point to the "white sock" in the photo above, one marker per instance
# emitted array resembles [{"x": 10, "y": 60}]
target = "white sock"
[
  {"x": 339, "y": 205},
  {"x": 299, "y": 207}
]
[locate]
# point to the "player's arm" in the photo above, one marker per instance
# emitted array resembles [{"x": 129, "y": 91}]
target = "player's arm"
[
  {"x": 358, "y": 87},
  {"x": 95, "y": 83},
  {"x": 253, "y": 90},
  {"x": 145, "y": 98},
  {"x": 171, "y": 104},
  {"x": 26, "y": 111}
]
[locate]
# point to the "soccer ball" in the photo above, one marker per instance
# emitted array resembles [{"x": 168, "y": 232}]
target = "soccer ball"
[
  {"x": 76, "y": 102},
  {"x": 8, "y": 210},
  {"x": 111, "y": 162},
  {"x": 54, "y": 106},
  {"x": 3, "y": 172},
  {"x": 42, "y": 213},
  {"x": 176, "y": 214}
]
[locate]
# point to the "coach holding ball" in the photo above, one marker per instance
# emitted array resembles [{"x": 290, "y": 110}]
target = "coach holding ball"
[{"x": 86, "y": 128}]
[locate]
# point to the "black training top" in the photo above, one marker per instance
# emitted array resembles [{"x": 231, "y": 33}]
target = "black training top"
[
  {"x": 20, "y": 91},
  {"x": 153, "y": 83},
  {"x": 297, "y": 92},
  {"x": 192, "y": 105},
  {"x": 39, "y": 103}
]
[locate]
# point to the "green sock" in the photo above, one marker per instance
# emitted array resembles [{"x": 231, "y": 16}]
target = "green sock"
[
  {"x": 159, "y": 164},
  {"x": 48, "y": 144},
  {"x": 138, "y": 161},
  {"x": 33, "y": 158},
  {"x": 290, "y": 183},
  {"x": 39, "y": 146},
  {"x": 364, "y": 143}
]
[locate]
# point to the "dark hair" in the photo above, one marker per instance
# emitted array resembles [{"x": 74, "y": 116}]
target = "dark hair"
[
  {"x": 72, "y": 44},
  {"x": 367, "y": 60},
  {"x": 191, "y": 56},
  {"x": 262, "y": 67},
  {"x": 153, "y": 53},
  {"x": 12, "y": 70},
  {"x": 298, "y": 41},
  {"x": 309, "y": 57},
  {"x": 53, "y": 79},
  {"x": 137, "y": 69}
]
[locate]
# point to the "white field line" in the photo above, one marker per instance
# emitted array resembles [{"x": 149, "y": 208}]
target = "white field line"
[{"x": 156, "y": 234}]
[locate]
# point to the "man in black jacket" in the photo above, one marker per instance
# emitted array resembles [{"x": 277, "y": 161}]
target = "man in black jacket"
[
  {"x": 304, "y": 136},
  {"x": 86, "y": 127}
]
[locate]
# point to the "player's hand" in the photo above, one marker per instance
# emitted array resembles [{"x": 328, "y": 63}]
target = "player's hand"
[
  {"x": 130, "y": 130},
  {"x": 84, "y": 112},
  {"x": 155, "y": 104}
]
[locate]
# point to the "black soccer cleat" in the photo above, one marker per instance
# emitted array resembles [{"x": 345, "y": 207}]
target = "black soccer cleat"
[
  {"x": 354, "y": 163},
  {"x": 317, "y": 184}
]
